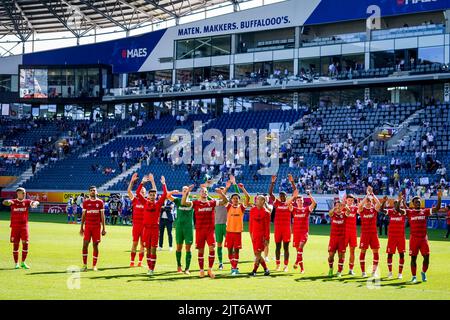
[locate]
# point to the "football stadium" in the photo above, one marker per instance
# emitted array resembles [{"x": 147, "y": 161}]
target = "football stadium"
[{"x": 225, "y": 150}]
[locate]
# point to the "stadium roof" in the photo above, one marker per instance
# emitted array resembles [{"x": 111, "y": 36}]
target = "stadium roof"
[{"x": 23, "y": 18}]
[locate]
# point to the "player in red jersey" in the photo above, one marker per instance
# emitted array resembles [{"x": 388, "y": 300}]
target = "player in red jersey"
[
  {"x": 418, "y": 240},
  {"x": 300, "y": 227},
  {"x": 205, "y": 225},
  {"x": 152, "y": 212},
  {"x": 368, "y": 211},
  {"x": 337, "y": 238},
  {"x": 19, "y": 225},
  {"x": 351, "y": 234},
  {"x": 258, "y": 232},
  {"x": 396, "y": 234},
  {"x": 138, "y": 220},
  {"x": 282, "y": 222},
  {"x": 93, "y": 216}
]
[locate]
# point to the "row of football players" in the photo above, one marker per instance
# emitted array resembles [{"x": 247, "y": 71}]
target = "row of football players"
[{"x": 146, "y": 213}]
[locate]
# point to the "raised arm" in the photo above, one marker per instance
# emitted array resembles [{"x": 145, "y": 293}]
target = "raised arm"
[
  {"x": 294, "y": 196},
  {"x": 399, "y": 203},
  {"x": 439, "y": 202},
  {"x": 7, "y": 203},
  {"x": 272, "y": 184},
  {"x": 228, "y": 185},
  {"x": 377, "y": 202},
  {"x": 165, "y": 193},
  {"x": 130, "y": 186},
  {"x": 152, "y": 181},
  {"x": 361, "y": 204},
  {"x": 246, "y": 194},
  {"x": 313, "y": 204},
  {"x": 337, "y": 206},
  {"x": 291, "y": 180},
  {"x": 383, "y": 205},
  {"x": 184, "y": 201},
  {"x": 145, "y": 179},
  {"x": 223, "y": 197}
]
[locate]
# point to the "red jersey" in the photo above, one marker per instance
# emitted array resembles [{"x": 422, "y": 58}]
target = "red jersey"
[
  {"x": 93, "y": 210},
  {"x": 368, "y": 221},
  {"x": 337, "y": 225},
  {"x": 448, "y": 216},
  {"x": 138, "y": 211},
  {"x": 152, "y": 209},
  {"x": 19, "y": 213},
  {"x": 301, "y": 220},
  {"x": 396, "y": 227},
  {"x": 282, "y": 214},
  {"x": 350, "y": 220},
  {"x": 418, "y": 222},
  {"x": 258, "y": 220},
  {"x": 204, "y": 214}
]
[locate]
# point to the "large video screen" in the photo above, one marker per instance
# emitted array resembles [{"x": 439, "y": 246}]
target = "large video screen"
[{"x": 33, "y": 84}]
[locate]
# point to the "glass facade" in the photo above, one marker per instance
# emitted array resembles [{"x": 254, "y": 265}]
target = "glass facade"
[
  {"x": 265, "y": 40},
  {"x": 185, "y": 49},
  {"x": 431, "y": 55},
  {"x": 382, "y": 59},
  {"x": 264, "y": 69},
  {"x": 184, "y": 75},
  {"x": 36, "y": 83},
  {"x": 203, "y": 47},
  {"x": 309, "y": 65},
  {"x": 5, "y": 83},
  {"x": 163, "y": 75},
  {"x": 199, "y": 75}
]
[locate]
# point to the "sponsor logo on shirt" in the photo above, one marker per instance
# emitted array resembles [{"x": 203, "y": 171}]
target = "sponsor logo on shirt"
[{"x": 205, "y": 209}]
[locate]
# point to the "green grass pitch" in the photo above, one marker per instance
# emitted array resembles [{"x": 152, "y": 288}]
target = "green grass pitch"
[{"x": 55, "y": 246}]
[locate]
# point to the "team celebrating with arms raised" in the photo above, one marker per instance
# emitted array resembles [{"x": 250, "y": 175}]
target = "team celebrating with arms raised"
[{"x": 222, "y": 220}]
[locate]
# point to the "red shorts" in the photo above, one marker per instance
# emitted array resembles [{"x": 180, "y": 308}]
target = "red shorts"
[
  {"x": 138, "y": 232},
  {"x": 396, "y": 244},
  {"x": 282, "y": 235},
  {"x": 19, "y": 234},
  {"x": 258, "y": 241},
  {"x": 419, "y": 244},
  {"x": 202, "y": 237},
  {"x": 92, "y": 232},
  {"x": 233, "y": 240},
  {"x": 351, "y": 240},
  {"x": 299, "y": 238},
  {"x": 337, "y": 244},
  {"x": 150, "y": 236},
  {"x": 369, "y": 240}
]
